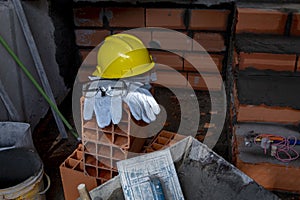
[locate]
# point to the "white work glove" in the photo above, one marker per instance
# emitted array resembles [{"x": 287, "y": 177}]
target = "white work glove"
[
  {"x": 141, "y": 103},
  {"x": 107, "y": 108}
]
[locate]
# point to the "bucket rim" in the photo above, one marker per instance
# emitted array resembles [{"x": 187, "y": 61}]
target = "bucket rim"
[{"x": 23, "y": 187}]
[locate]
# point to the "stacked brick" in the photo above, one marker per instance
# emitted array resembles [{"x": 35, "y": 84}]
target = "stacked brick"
[
  {"x": 162, "y": 140},
  {"x": 266, "y": 67},
  {"x": 72, "y": 174},
  {"x": 204, "y": 26},
  {"x": 104, "y": 147},
  {"x": 267, "y": 63}
]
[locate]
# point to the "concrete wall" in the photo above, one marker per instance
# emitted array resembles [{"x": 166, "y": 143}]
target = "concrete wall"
[{"x": 29, "y": 103}]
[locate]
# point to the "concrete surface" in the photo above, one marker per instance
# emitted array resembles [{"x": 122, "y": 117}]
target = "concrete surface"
[
  {"x": 29, "y": 103},
  {"x": 267, "y": 43},
  {"x": 269, "y": 88},
  {"x": 202, "y": 174}
]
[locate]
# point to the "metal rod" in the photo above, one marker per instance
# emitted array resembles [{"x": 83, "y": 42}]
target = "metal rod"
[
  {"x": 12, "y": 111},
  {"x": 38, "y": 62},
  {"x": 38, "y": 87}
]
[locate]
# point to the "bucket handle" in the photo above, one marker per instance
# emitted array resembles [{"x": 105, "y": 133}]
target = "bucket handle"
[{"x": 48, "y": 185}]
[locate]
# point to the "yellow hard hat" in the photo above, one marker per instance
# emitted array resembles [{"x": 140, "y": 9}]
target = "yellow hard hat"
[{"x": 122, "y": 56}]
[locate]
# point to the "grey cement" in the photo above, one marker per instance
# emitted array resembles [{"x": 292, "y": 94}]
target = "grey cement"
[
  {"x": 267, "y": 43},
  {"x": 269, "y": 88},
  {"x": 15, "y": 135},
  {"x": 29, "y": 103},
  {"x": 255, "y": 153},
  {"x": 17, "y": 165},
  {"x": 202, "y": 174}
]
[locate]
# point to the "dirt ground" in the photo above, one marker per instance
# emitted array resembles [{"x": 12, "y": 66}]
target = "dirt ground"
[{"x": 53, "y": 152}]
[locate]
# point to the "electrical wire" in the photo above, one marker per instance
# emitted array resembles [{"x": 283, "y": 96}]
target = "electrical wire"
[{"x": 285, "y": 146}]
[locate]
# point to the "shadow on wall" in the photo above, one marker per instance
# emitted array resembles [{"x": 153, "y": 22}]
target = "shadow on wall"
[{"x": 67, "y": 55}]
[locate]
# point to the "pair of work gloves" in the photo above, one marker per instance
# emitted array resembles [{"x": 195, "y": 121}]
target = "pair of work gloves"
[{"x": 104, "y": 98}]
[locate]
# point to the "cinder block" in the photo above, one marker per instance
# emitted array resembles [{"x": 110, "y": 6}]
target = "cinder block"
[
  {"x": 264, "y": 61},
  {"x": 252, "y": 20},
  {"x": 171, "y": 79},
  {"x": 213, "y": 20},
  {"x": 166, "y": 18},
  {"x": 262, "y": 113},
  {"x": 167, "y": 58},
  {"x": 203, "y": 62},
  {"x": 213, "y": 42},
  {"x": 88, "y": 16},
  {"x": 295, "y": 28},
  {"x": 169, "y": 40},
  {"x": 89, "y": 37},
  {"x": 203, "y": 81},
  {"x": 125, "y": 17}
]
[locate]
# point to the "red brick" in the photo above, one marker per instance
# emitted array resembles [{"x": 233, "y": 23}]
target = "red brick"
[
  {"x": 276, "y": 177},
  {"x": 89, "y": 56},
  {"x": 144, "y": 35},
  {"x": 295, "y": 28},
  {"x": 209, "y": 41},
  {"x": 170, "y": 40},
  {"x": 167, "y": 18},
  {"x": 264, "y": 61},
  {"x": 126, "y": 17},
  {"x": 90, "y": 37},
  {"x": 88, "y": 16},
  {"x": 249, "y": 113},
  {"x": 171, "y": 79},
  {"x": 167, "y": 58},
  {"x": 198, "y": 83},
  {"x": 260, "y": 21},
  {"x": 203, "y": 62},
  {"x": 215, "y": 20},
  {"x": 88, "y": 65}
]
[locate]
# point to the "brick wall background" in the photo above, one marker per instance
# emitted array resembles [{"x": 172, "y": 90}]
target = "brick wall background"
[
  {"x": 255, "y": 49},
  {"x": 93, "y": 24},
  {"x": 267, "y": 65}
]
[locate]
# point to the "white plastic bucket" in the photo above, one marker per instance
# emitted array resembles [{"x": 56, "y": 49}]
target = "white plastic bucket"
[
  {"x": 21, "y": 169},
  {"x": 21, "y": 175}
]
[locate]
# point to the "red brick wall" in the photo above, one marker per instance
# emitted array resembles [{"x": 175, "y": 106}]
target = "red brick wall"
[
  {"x": 282, "y": 25},
  {"x": 206, "y": 26}
]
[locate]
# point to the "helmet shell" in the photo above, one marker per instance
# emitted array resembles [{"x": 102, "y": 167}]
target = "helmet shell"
[{"x": 122, "y": 56}]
